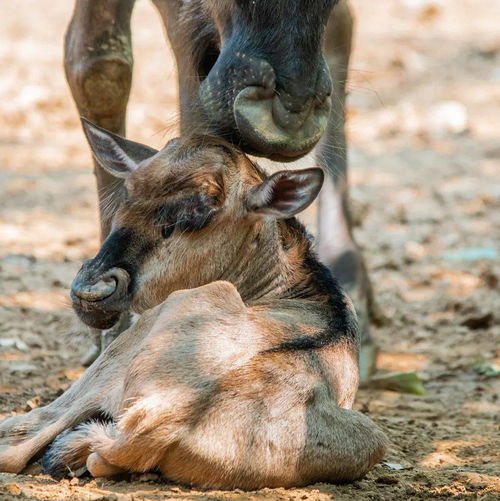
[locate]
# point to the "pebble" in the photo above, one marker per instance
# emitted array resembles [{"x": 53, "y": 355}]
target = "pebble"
[
  {"x": 13, "y": 489},
  {"x": 13, "y": 343},
  {"x": 22, "y": 367},
  {"x": 448, "y": 117}
]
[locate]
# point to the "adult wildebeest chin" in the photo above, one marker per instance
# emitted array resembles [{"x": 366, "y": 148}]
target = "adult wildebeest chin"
[
  {"x": 242, "y": 370},
  {"x": 268, "y": 76}
]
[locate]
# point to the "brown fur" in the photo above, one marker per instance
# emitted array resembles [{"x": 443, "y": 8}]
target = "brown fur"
[
  {"x": 219, "y": 384},
  {"x": 99, "y": 63}
]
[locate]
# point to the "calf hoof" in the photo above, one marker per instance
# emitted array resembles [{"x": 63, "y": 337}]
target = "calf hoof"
[
  {"x": 91, "y": 355},
  {"x": 99, "y": 467},
  {"x": 350, "y": 270},
  {"x": 105, "y": 337},
  {"x": 11, "y": 461},
  {"x": 16, "y": 440}
]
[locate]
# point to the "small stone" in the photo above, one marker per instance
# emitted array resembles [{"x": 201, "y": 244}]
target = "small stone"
[
  {"x": 13, "y": 343},
  {"x": 22, "y": 367},
  {"x": 478, "y": 321},
  {"x": 74, "y": 481},
  {"x": 448, "y": 117},
  {"x": 13, "y": 489},
  {"x": 33, "y": 403},
  {"x": 394, "y": 466}
]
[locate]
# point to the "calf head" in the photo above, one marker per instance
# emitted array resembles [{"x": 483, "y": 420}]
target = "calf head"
[
  {"x": 184, "y": 217},
  {"x": 264, "y": 82}
]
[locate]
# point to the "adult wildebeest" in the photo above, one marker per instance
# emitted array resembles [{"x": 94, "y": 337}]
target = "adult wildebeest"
[
  {"x": 243, "y": 367},
  {"x": 268, "y": 76}
]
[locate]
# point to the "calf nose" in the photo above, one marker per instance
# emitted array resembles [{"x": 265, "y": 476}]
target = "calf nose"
[
  {"x": 94, "y": 292},
  {"x": 107, "y": 284}
]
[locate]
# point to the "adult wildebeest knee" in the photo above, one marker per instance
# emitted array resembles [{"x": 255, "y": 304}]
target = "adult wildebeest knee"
[
  {"x": 268, "y": 76},
  {"x": 242, "y": 370}
]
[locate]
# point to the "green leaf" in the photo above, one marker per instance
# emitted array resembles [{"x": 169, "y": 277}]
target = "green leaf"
[
  {"x": 487, "y": 369},
  {"x": 403, "y": 382}
]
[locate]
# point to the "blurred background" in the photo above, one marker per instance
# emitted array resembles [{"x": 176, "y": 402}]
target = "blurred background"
[{"x": 424, "y": 135}]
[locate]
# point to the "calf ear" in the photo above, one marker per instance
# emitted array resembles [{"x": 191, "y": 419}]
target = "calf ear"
[
  {"x": 115, "y": 154},
  {"x": 286, "y": 193}
]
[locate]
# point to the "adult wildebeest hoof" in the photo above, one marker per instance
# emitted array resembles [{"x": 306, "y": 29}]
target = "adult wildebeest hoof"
[{"x": 350, "y": 270}]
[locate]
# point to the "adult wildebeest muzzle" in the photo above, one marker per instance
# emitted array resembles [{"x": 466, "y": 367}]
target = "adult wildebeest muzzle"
[{"x": 269, "y": 87}]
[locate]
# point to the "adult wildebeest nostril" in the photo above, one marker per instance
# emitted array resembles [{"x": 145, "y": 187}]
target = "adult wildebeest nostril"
[
  {"x": 278, "y": 115},
  {"x": 274, "y": 127},
  {"x": 108, "y": 284}
]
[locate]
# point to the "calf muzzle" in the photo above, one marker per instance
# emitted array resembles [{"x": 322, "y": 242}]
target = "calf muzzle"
[{"x": 99, "y": 298}]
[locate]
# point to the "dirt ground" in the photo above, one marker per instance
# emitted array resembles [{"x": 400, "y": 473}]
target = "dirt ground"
[{"x": 424, "y": 123}]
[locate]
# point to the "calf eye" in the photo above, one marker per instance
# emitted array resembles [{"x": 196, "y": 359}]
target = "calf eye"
[{"x": 167, "y": 230}]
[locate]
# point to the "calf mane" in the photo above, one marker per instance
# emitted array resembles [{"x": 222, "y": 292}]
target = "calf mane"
[{"x": 319, "y": 284}]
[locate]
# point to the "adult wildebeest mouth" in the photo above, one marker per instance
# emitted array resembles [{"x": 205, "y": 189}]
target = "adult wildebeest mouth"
[
  {"x": 269, "y": 129},
  {"x": 263, "y": 116}
]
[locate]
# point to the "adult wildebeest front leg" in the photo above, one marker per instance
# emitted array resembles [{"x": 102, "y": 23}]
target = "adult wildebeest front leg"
[
  {"x": 98, "y": 62},
  {"x": 97, "y": 391},
  {"x": 337, "y": 246}
]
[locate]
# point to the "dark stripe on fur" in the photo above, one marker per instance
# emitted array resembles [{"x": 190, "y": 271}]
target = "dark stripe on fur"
[{"x": 342, "y": 323}]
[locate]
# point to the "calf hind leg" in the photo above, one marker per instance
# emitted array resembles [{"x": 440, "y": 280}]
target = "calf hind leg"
[
  {"x": 135, "y": 444},
  {"x": 25, "y": 436}
]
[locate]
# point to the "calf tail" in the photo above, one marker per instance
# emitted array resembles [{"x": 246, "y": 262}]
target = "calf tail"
[{"x": 67, "y": 456}]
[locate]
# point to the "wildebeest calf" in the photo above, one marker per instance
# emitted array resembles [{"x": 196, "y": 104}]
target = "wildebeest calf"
[
  {"x": 269, "y": 76},
  {"x": 242, "y": 370}
]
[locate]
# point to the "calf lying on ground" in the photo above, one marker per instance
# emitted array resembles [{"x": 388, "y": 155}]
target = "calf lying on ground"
[{"x": 242, "y": 370}]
